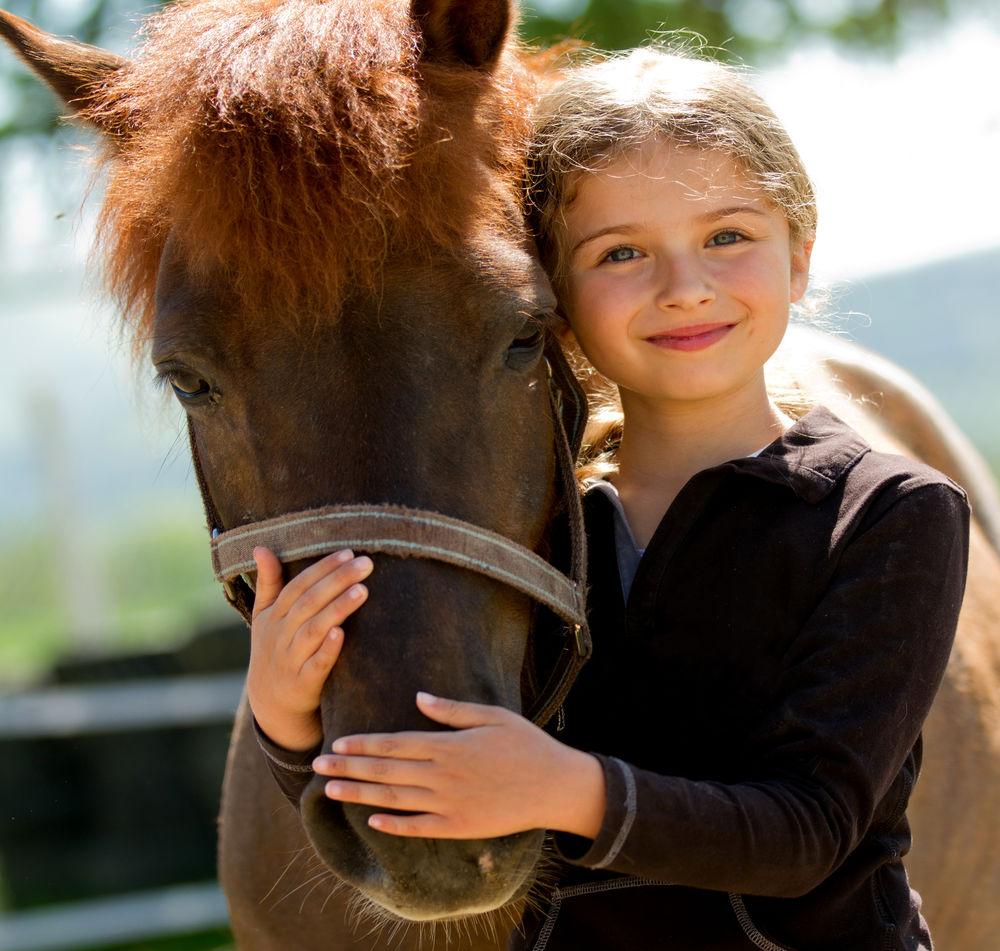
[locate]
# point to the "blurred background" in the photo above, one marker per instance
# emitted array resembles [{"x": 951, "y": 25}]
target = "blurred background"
[{"x": 120, "y": 665}]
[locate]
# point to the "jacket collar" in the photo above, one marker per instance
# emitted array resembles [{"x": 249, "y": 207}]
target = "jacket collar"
[{"x": 811, "y": 457}]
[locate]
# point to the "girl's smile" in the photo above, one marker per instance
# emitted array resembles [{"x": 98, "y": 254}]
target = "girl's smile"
[
  {"x": 680, "y": 273},
  {"x": 697, "y": 337}
]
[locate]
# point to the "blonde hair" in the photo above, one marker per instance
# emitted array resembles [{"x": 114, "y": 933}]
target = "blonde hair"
[{"x": 609, "y": 107}]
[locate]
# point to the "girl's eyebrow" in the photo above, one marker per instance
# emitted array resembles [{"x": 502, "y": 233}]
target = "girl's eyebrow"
[
  {"x": 612, "y": 229},
  {"x": 731, "y": 210}
]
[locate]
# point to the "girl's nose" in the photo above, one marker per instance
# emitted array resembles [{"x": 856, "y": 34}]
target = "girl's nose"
[{"x": 683, "y": 285}]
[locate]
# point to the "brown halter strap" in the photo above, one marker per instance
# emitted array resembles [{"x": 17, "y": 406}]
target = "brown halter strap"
[{"x": 404, "y": 532}]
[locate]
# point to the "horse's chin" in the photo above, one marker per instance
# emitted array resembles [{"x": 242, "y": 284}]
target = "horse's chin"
[
  {"x": 421, "y": 880},
  {"x": 421, "y": 914}
]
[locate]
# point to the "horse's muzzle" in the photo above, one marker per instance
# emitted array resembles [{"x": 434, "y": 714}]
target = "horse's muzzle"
[{"x": 418, "y": 879}]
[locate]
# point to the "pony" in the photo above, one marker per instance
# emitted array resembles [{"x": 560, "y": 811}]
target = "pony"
[{"x": 314, "y": 225}]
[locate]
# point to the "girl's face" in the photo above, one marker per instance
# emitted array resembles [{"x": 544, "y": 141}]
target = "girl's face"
[{"x": 680, "y": 273}]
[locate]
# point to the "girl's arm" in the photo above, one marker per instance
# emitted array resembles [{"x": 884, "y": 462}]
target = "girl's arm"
[
  {"x": 295, "y": 640},
  {"x": 855, "y": 691},
  {"x": 496, "y": 774}
]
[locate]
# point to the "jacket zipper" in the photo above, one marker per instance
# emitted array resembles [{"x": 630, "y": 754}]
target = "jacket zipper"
[
  {"x": 759, "y": 939},
  {"x": 592, "y": 888}
]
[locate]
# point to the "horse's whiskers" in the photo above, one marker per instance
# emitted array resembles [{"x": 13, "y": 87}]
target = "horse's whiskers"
[
  {"x": 291, "y": 862},
  {"x": 316, "y": 885},
  {"x": 319, "y": 875},
  {"x": 338, "y": 884}
]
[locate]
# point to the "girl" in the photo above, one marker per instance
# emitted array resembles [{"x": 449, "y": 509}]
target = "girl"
[{"x": 772, "y": 602}]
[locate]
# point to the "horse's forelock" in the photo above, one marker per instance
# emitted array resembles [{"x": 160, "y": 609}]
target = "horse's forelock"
[{"x": 288, "y": 145}]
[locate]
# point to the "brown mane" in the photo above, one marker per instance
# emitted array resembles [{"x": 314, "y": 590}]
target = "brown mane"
[{"x": 288, "y": 143}]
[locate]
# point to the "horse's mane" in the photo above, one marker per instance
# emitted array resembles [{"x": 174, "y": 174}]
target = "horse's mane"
[{"x": 286, "y": 143}]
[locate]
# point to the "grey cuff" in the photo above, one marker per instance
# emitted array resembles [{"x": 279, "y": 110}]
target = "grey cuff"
[
  {"x": 619, "y": 816},
  {"x": 290, "y": 760}
]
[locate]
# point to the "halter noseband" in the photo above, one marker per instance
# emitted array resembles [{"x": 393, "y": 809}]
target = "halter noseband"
[{"x": 405, "y": 532}]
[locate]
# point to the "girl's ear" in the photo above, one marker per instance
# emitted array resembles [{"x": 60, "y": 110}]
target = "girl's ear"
[
  {"x": 801, "y": 254},
  {"x": 564, "y": 333}
]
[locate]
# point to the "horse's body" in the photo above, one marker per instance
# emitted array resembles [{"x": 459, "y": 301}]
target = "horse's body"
[
  {"x": 314, "y": 216},
  {"x": 955, "y": 860}
]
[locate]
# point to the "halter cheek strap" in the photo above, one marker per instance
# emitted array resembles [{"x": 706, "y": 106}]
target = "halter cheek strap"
[{"x": 405, "y": 532}]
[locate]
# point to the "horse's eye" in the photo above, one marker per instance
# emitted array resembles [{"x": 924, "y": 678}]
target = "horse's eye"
[
  {"x": 188, "y": 386},
  {"x": 527, "y": 344}
]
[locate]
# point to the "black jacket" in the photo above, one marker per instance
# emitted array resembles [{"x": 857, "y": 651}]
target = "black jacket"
[{"x": 757, "y": 705}]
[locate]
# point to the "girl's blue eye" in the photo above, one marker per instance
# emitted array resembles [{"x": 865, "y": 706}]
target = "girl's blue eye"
[
  {"x": 620, "y": 254},
  {"x": 724, "y": 238}
]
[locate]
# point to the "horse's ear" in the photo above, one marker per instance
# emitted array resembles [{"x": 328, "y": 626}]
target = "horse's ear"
[
  {"x": 75, "y": 71},
  {"x": 470, "y": 31}
]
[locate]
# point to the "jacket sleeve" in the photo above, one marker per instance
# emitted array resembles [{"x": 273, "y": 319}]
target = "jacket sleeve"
[
  {"x": 853, "y": 693},
  {"x": 291, "y": 770}
]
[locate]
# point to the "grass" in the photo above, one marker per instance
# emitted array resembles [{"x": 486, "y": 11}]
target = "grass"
[
  {"x": 216, "y": 940},
  {"x": 137, "y": 584}
]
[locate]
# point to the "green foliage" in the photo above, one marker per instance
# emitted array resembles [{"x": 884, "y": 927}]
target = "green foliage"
[
  {"x": 158, "y": 582},
  {"x": 750, "y": 29},
  {"x": 32, "y": 623},
  {"x": 218, "y": 940}
]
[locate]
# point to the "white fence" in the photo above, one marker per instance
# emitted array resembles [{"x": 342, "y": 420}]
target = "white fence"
[{"x": 111, "y": 708}]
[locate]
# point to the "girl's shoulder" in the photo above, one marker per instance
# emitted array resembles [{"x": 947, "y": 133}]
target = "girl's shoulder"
[
  {"x": 883, "y": 471},
  {"x": 825, "y": 461},
  {"x": 872, "y": 484}
]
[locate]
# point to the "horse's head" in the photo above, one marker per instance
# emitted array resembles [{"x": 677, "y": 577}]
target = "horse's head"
[{"x": 313, "y": 219}]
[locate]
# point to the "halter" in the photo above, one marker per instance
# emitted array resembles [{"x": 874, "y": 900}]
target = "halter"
[{"x": 404, "y": 532}]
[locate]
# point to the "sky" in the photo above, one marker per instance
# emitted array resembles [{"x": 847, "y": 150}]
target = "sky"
[{"x": 904, "y": 153}]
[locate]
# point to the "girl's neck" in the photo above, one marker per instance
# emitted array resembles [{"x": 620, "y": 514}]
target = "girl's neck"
[{"x": 664, "y": 444}]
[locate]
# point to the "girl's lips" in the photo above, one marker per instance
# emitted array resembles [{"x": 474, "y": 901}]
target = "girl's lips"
[{"x": 691, "y": 338}]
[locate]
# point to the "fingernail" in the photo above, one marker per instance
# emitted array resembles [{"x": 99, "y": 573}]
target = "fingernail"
[
  {"x": 339, "y": 746},
  {"x": 344, "y": 556},
  {"x": 375, "y": 822},
  {"x": 425, "y": 697},
  {"x": 334, "y": 789},
  {"x": 335, "y": 634},
  {"x": 356, "y": 591},
  {"x": 363, "y": 563}
]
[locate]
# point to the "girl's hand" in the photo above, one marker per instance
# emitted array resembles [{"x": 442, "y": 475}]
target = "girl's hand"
[
  {"x": 496, "y": 774},
  {"x": 295, "y": 639}
]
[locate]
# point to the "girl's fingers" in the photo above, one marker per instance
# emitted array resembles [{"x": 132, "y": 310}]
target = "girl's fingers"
[
  {"x": 318, "y": 666},
  {"x": 458, "y": 713},
  {"x": 425, "y": 826},
  {"x": 376, "y": 794},
  {"x": 407, "y": 745},
  {"x": 303, "y": 581},
  {"x": 333, "y": 615},
  {"x": 269, "y": 579},
  {"x": 373, "y": 769},
  {"x": 327, "y": 589}
]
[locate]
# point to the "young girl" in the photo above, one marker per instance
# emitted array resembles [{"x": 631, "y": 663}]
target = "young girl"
[{"x": 772, "y": 602}]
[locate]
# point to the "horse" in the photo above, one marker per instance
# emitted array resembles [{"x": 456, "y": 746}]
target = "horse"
[{"x": 314, "y": 223}]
